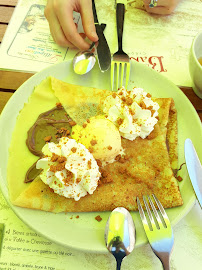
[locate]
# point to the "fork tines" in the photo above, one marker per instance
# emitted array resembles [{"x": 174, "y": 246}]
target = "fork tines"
[
  {"x": 120, "y": 72},
  {"x": 120, "y": 65},
  {"x": 160, "y": 224},
  {"x": 159, "y": 231}
]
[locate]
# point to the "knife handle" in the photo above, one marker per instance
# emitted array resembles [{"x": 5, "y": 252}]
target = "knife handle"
[
  {"x": 103, "y": 25},
  {"x": 120, "y": 12}
]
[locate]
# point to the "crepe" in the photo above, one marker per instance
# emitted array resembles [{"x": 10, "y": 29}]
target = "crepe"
[
  {"x": 82, "y": 103},
  {"x": 147, "y": 170}
]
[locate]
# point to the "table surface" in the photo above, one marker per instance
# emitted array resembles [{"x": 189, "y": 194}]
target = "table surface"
[{"x": 10, "y": 81}]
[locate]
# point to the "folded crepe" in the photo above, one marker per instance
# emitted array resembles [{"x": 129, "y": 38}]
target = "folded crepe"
[{"x": 148, "y": 169}]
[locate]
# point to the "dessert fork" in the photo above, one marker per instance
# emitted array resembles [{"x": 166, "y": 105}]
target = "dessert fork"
[
  {"x": 120, "y": 65},
  {"x": 159, "y": 232}
]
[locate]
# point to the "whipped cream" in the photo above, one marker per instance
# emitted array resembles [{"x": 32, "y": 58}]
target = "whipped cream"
[
  {"x": 69, "y": 169},
  {"x": 133, "y": 112}
]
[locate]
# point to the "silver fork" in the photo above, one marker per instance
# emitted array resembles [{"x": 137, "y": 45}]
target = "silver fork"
[
  {"x": 159, "y": 234},
  {"x": 120, "y": 65}
]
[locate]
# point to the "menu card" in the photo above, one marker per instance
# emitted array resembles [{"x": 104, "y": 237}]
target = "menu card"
[
  {"x": 160, "y": 42},
  {"x": 33, "y": 40}
]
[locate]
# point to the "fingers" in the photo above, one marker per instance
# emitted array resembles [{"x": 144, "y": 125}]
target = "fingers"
[
  {"x": 88, "y": 20},
  {"x": 70, "y": 31},
  {"x": 59, "y": 14},
  {"x": 55, "y": 29},
  {"x": 65, "y": 18}
]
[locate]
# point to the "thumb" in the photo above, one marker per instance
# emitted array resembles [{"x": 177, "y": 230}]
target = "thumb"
[{"x": 88, "y": 20}]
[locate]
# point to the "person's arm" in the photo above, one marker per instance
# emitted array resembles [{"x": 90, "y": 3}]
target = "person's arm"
[
  {"x": 59, "y": 14},
  {"x": 164, "y": 7}
]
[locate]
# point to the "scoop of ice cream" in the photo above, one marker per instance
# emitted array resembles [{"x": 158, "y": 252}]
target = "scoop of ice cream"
[
  {"x": 69, "y": 169},
  {"x": 100, "y": 136},
  {"x": 133, "y": 112}
]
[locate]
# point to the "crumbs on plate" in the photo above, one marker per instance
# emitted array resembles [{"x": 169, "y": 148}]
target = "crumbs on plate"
[{"x": 98, "y": 218}]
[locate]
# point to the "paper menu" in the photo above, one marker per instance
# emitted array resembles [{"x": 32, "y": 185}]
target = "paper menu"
[{"x": 33, "y": 40}]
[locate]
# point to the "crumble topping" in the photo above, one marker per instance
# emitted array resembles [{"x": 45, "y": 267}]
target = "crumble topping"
[
  {"x": 98, "y": 218},
  {"x": 59, "y": 105},
  {"x": 47, "y": 138},
  {"x": 93, "y": 142},
  {"x": 72, "y": 123},
  {"x": 69, "y": 169},
  {"x": 133, "y": 112}
]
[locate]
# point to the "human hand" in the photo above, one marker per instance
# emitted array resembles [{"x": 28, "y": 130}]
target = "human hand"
[
  {"x": 164, "y": 7},
  {"x": 59, "y": 14}
]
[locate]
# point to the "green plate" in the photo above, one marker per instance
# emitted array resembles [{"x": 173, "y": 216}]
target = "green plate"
[{"x": 85, "y": 232}]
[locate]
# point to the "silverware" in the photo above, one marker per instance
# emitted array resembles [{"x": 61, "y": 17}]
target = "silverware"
[
  {"x": 120, "y": 66},
  {"x": 120, "y": 234},
  {"x": 159, "y": 233},
  {"x": 84, "y": 61},
  {"x": 103, "y": 51},
  {"x": 194, "y": 168}
]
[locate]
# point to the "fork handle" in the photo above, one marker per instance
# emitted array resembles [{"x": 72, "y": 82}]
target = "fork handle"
[
  {"x": 120, "y": 12},
  {"x": 165, "y": 262},
  {"x": 166, "y": 265}
]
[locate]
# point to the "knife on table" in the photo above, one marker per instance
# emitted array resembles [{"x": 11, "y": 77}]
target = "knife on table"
[
  {"x": 194, "y": 168},
  {"x": 103, "y": 51}
]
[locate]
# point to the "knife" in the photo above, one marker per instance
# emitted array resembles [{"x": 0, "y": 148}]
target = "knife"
[
  {"x": 194, "y": 168},
  {"x": 103, "y": 51}
]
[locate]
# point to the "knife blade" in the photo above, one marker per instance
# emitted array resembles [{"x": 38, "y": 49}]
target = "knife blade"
[
  {"x": 194, "y": 168},
  {"x": 103, "y": 51}
]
